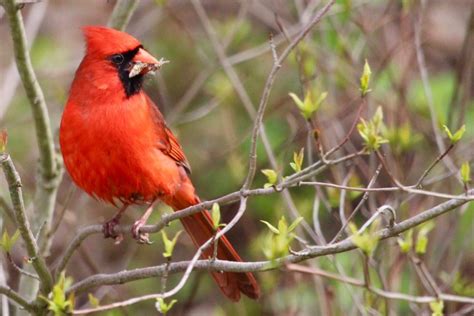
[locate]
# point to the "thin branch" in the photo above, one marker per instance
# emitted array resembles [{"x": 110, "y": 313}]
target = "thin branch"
[
  {"x": 19, "y": 269},
  {"x": 60, "y": 215},
  {"x": 49, "y": 169},
  {"x": 50, "y": 176},
  {"x": 14, "y": 184},
  {"x": 189, "y": 268},
  {"x": 420, "y": 57},
  {"x": 32, "y": 26},
  {"x": 377, "y": 291},
  {"x": 356, "y": 209},
  {"x": 268, "y": 86},
  {"x": 419, "y": 183},
  {"x": 7, "y": 208},
  {"x": 363, "y": 101},
  {"x": 122, "y": 13},
  {"x": 291, "y": 181},
  {"x": 349, "y": 188},
  {"x": 230, "y": 266},
  {"x": 15, "y": 297}
]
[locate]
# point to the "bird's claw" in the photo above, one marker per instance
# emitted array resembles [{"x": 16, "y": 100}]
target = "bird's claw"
[
  {"x": 141, "y": 238},
  {"x": 108, "y": 229}
]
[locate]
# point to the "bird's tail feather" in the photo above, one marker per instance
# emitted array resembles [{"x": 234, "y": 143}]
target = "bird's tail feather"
[{"x": 199, "y": 227}]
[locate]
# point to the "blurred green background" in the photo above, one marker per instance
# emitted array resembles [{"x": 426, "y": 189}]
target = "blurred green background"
[{"x": 205, "y": 112}]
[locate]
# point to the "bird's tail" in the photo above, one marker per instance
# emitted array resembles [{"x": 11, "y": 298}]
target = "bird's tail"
[{"x": 199, "y": 227}]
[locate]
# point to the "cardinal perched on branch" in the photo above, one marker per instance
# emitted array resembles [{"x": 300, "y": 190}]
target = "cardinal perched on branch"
[{"x": 118, "y": 148}]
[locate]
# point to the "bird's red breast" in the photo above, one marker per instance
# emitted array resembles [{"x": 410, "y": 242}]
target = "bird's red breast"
[{"x": 116, "y": 145}]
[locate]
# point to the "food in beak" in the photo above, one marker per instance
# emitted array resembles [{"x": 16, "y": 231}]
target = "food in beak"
[{"x": 139, "y": 67}]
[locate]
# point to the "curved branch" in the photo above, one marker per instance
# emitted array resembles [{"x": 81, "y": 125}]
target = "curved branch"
[
  {"x": 49, "y": 168},
  {"x": 380, "y": 292},
  {"x": 230, "y": 266},
  {"x": 33, "y": 90},
  {"x": 15, "y": 297},
  {"x": 268, "y": 85},
  {"x": 291, "y": 181},
  {"x": 122, "y": 13},
  {"x": 14, "y": 185}
]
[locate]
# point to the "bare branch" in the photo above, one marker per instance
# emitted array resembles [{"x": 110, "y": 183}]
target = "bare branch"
[
  {"x": 15, "y": 297},
  {"x": 23, "y": 224},
  {"x": 268, "y": 86},
  {"x": 189, "y": 268},
  {"x": 122, "y": 13},
  {"x": 291, "y": 181},
  {"x": 19, "y": 269},
  {"x": 230, "y": 266},
  {"x": 377, "y": 291}
]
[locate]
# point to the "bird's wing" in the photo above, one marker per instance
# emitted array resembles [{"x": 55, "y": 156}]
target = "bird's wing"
[{"x": 167, "y": 142}]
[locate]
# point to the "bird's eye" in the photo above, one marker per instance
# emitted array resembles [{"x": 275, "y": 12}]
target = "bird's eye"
[{"x": 117, "y": 59}]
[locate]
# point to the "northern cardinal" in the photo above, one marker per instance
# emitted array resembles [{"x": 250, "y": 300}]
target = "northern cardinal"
[{"x": 117, "y": 147}]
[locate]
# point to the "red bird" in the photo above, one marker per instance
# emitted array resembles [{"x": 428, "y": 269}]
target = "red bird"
[{"x": 117, "y": 147}]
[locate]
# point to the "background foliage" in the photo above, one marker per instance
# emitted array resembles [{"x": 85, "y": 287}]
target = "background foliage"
[{"x": 215, "y": 131}]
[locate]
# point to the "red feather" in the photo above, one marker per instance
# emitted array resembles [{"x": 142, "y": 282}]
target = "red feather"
[{"x": 116, "y": 147}]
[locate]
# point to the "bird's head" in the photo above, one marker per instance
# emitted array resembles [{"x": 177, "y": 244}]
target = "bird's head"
[{"x": 122, "y": 54}]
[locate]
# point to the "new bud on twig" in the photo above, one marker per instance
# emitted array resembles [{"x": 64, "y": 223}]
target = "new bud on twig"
[{"x": 365, "y": 79}]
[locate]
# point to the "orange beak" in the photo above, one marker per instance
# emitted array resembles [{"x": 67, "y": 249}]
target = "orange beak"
[
  {"x": 144, "y": 62},
  {"x": 144, "y": 57}
]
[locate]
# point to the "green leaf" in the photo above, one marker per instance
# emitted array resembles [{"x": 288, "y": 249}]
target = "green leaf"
[
  {"x": 216, "y": 215},
  {"x": 454, "y": 138},
  {"x": 297, "y": 163},
  {"x": 163, "y": 307},
  {"x": 426, "y": 227},
  {"x": 310, "y": 104},
  {"x": 371, "y": 131},
  {"x": 94, "y": 301},
  {"x": 271, "y": 227},
  {"x": 8, "y": 242},
  {"x": 459, "y": 134},
  {"x": 271, "y": 175},
  {"x": 377, "y": 119},
  {"x": 366, "y": 241},
  {"x": 169, "y": 244},
  {"x": 57, "y": 301},
  {"x": 422, "y": 237},
  {"x": 437, "y": 308},
  {"x": 421, "y": 244},
  {"x": 297, "y": 100},
  {"x": 277, "y": 242},
  {"x": 465, "y": 172},
  {"x": 295, "y": 224},
  {"x": 283, "y": 226},
  {"x": 365, "y": 79},
  {"x": 406, "y": 243},
  {"x": 462, "y": 286},
  {"x": 448, "y": 132}
]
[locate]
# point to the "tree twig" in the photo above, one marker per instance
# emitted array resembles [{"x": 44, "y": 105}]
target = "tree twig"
[
  {"x": 122, "y": 13},
  {"x": 189, "y": 268},
  {"x": 15, "y": 297},
  {"x": 14, "y": 184},
  {"x": 229, "y": 266},
  {"x": 377, "y": 291},
  {"x": 19, "y": 269}
]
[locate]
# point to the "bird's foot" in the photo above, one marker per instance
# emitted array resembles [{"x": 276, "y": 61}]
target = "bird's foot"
[
  {"x": 140, "y": 237},
  {"x": 108, "y": 229}
]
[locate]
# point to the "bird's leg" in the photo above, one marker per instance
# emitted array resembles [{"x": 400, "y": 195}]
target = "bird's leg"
[
  {"x": 142, "y": 238},
  {"x": 109, "y": 227}
]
